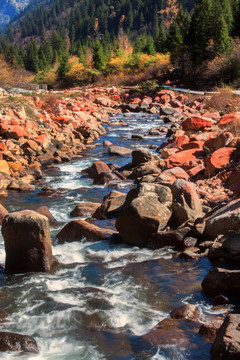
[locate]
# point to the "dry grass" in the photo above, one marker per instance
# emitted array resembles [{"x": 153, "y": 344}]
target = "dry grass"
[{"x": 223, "y": 101}]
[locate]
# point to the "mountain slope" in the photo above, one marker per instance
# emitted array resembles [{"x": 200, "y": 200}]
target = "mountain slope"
[{"x": 10, "y": 8}]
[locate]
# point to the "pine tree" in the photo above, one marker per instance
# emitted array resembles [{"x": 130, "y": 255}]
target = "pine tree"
[
  {"x": 98, "y": 56},
  {"x": 222, "y": 40},
  {"x": 32, "y": 59},
  {"x": 201, "y": 31},
  {"x": 155, "y": 23},
  {"x": 161, "y": 41},
  {"x": 175, "y": 41},
  {"x": 63, "y": 67},
  {"x": 227, "y": 12}
]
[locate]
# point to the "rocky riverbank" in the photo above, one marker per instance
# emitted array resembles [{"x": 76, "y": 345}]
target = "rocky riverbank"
[{"x": 186, "y": 194}]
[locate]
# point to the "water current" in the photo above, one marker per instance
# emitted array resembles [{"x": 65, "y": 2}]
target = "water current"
[{"x": 109, "y": 296}]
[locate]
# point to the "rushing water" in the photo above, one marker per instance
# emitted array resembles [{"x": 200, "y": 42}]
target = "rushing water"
[{"x": 101, "y": 305}]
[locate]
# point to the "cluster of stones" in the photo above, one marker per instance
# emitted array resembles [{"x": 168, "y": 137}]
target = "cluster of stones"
[
  {"x": 187, "y": 197},
  {"x": 38, "y": 132}
]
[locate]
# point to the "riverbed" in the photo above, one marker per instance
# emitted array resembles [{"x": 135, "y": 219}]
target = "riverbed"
[{"x": 109, "y": 295}]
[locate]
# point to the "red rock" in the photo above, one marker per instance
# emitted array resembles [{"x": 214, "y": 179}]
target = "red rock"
[
  {"x": 182, "y": 98},
  {"x": 166, "y": 153},
  {"x": 135, "y": 101},
  {"x": 173, "y": 174},
  {"x": 170, "y": 93},
  {"x": 193, "y": 145},
  {"x": 176, "y": 104},
  {"x": 217, "y": 161},
  {"x": 3, "y": 128},
  {"x": 204, "y": 136},
  {"x": 3, "y": 213},
  {"x": 181, "y": 157},
  {"x": 197, "y": 122},
  {"x": 219, "y": 141},
  {"x": 178, "y": 141},
  {"x": 229, "y": 118},
  {"x": 195, "y": 170},
  {"x": 147, "y": 100},
  {"x": 4, "y": 167},
  {"x": 16, "y": 132},
  {"x": 164, "y": 99}
]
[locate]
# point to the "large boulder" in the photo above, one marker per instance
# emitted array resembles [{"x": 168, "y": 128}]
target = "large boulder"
[
  {"x": 97, "y": 168},
  {"x": 78, "y": 230},
  {"x": 186, "y": 203},
  {"x": 219, "y": 281},
  {"x": 144, "y": 213},
  {"x": 140, "y": 156},
  {"x": 111, "y": 206},
  {"x": 16, "y": 342},
  {"x": 119, "y": 150},
  {"x": 173, "y": 238},
  {"x": 227, "y": 343},
  {"x": 218, "y": 160},
  {"x": 84, "y": 209},
  {"x": 196, "y": 122},
  {"x": 27, "y": 243},
  {"x": 3, "y": 213},
  {"x": 222, "y": 220}
]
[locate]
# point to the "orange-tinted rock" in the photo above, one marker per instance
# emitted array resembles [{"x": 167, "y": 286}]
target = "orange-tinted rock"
[
  {"x": 195, "y": 170},
  {"x": 170, "y": 93},
  {"x": 173, "y": 174},
  {"x": 164, "y": 99},
  {"x": 229, "y": 118},
  {"x": 176, "y": 104},
  {"x": 197, "y": 122},
  {"x": 178, "y": 141},
  {"x": 186, "y": 311},
  {"x": 3, "y": 128},
  {"x": 4, "y": 167},
  {"x": 217, "y": 161},
  {"x": 181, "y": 157},
  {"x": 166, "y": 152},
  {"x": 193, "y": 145},
  {"x": 3, "y": 213},
  {"x": 16, "y": 132},
  {"x": 77, "y": 230},
  {"x": 219, "y": 141}
]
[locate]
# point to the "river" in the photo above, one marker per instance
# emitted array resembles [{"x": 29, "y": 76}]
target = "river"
[{"x": 109, "y": 295}]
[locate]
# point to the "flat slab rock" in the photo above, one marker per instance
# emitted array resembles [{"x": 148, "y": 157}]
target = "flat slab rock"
[
  {"x": 227, "y": 343},
  {"x": 16, "y": 342}
]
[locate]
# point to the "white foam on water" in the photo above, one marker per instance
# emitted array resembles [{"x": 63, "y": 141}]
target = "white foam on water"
[{"x": 174, "y": 353}]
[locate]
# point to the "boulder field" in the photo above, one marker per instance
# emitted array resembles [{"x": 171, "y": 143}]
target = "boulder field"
[{"x": 186, "y": 191}]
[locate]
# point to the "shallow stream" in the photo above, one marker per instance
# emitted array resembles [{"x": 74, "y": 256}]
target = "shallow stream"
[{"x": 109, "y": 296}]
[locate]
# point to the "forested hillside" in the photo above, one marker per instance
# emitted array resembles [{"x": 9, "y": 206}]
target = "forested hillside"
[{"x": 111, "y": 36}]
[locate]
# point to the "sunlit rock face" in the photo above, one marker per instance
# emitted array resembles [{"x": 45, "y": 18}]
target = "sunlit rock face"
[{"x": 10, "y": 8}]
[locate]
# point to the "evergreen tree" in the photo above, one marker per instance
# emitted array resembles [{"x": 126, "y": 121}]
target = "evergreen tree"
[
  {"x": 63, "y": 67},
  {"x": 161, "y": 41},
  {"x": 175, "y": 41},
  {"x": 98, "y": 56},
  {"x": 32, "y": 59},
  {"x": 201, "y": 30},
  {"x": 227, "y": 13},
  {"x": 155, "y": 23},
  {"x": 222, "y": 40}
]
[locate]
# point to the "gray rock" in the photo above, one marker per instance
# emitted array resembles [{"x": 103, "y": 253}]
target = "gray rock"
[
  {"x": 16, "y": 342},
  {"x": 227, "y": 343}
]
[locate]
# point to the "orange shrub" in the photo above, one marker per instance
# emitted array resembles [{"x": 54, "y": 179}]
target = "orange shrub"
[{"x": 77, "y": 75}]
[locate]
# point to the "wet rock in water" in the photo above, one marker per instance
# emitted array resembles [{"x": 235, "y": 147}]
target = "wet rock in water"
[
  {"x": 220, "y": 300},
  {"x": 148, "y": 168},
  {"x": 173, "y": 238},
  {"x": 210, "y": 328},
  {"x": 137, "y": 137},
  {"x": 103, "y": 179},
  {"x": 111, "y": 206},
  {"x": 3, "y": 213},
  {"x": 222, "y": 220},
  {"x": 187, "y": 311},
  {"x": 27, "y": 243},
  {"x": 186, "y": 203},
  {"x": 119, "y": 150},
  {"x": 43, "y": 210},
  {"x": 140, "y": 156},
  {"x": 16, "y": 342},
  {"x": 98, "y": 167},
  {"x": 143, "y": 214},
  {"x": 189, "y": 255},
  {"x": 227, "y": 344},
  {"x": 107, "y": 143},
  {"x": 84, "y": 209},
  {"x": 78, "y": 230},
  {"x": 219, "y": 281},
  {"x": 169, "y": 332}
]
